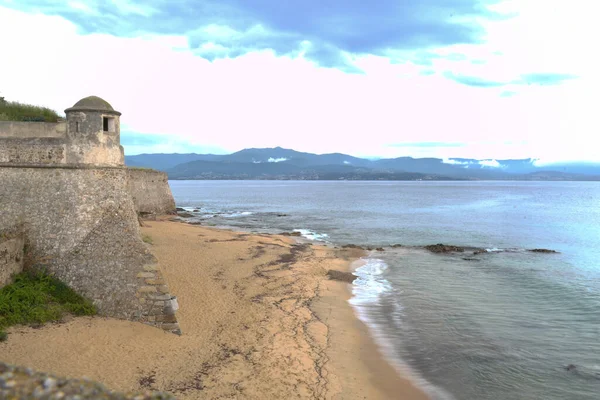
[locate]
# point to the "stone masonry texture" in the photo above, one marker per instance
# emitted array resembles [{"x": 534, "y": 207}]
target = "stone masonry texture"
[
  {"x": 11, "y": 256},
  {"x": 150, "y": 191},
  {"x": 81, "y": 226}
]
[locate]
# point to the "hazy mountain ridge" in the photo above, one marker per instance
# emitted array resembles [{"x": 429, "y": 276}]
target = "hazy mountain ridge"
[{"x": 280, "y": 163}]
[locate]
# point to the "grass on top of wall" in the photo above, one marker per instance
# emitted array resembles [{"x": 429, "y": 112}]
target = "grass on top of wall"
[
  {"x": 14, "y": 111},
  {"x": 36, "y": 298}
]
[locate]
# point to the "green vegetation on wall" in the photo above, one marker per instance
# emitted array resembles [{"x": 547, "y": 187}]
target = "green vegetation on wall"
[
  {"x": 14, "y": 111},
  {"x": 36, "y": 298}
]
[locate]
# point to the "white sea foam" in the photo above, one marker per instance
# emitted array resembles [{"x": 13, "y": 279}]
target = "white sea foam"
[
  {"x": 370, "y": 283},
  {"x": 494, "y": 250},
  {"x": 311, "y": 235},
  {"x": 236, "y": 214},
  {"x": 205, "y": 212}
]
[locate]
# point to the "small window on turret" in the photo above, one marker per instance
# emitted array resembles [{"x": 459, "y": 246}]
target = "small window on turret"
[{"x": 108, "y": 124}]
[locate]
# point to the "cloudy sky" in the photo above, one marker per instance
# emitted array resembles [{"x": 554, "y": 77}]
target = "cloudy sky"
[{"x": 386, "y": 78}]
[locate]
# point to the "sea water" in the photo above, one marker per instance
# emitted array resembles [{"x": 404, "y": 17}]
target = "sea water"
[{"x": 503, "y": 324}]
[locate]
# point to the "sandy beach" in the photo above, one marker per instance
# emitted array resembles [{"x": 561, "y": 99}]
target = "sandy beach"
[{"x": 260, "y": 320}]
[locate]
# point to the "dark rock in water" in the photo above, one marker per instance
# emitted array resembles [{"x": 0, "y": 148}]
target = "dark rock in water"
[
  {"x": 291, "y": 234},
  {"x": 352, "y": 246},
  {"x": 282, "y": 215},
  {"x": 470, "y": 259},
  {"x": 195, "y": 223},
  {"x": 185, "y": 214},
  {"x": 582, "y": 372},
  {"x": 341, "y": 276},
  {"x": 542, "y": 251},
  {"x": 380, "y": 249},
  {"x": 395, "y": 246},
  {"x": 179, "y": 209},
  {"x": 196, "y": 210},
  {"x": 444, "y": 248},
  {"x": 479, "y": 252}
]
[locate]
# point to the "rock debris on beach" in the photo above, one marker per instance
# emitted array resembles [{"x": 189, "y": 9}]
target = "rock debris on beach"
[
  {"x": 24, "y": 383},
  {"x": 341, "y": 276}
]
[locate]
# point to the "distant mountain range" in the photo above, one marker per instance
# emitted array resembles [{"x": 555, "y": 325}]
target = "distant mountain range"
[{"x": 279, "y": 163}]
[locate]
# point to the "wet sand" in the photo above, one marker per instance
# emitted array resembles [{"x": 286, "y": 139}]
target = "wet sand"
[{"x": 260, "y": 320}]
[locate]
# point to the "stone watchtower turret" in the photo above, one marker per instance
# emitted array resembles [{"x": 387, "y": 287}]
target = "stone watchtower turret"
[{"x": 93, "y": 133}]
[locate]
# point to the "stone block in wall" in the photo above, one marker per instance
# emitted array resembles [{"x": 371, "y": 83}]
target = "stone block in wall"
[{"x": 11, "y": 257}]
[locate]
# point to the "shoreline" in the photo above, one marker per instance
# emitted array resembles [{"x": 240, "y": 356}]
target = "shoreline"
[
  {"x": 383, "y": 380},
  {"x": 260, "y": 319}
]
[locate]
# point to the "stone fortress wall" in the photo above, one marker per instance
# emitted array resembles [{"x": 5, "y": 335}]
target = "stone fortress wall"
[
  {"x": 68, "y": 205},
  {"x": 150, "y": 191}
]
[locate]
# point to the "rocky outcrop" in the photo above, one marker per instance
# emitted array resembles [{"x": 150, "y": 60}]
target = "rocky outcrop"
[
  {"x": 24, "y": 383},
  {"x": 542, "y": 251},
  {"x": 444, "y": 248},
  {"x": 352, "y": 246},
  {"x": 297, "y": 234}
]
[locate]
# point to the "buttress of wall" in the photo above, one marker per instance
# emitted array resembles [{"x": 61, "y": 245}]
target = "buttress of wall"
[
  {"x": 150, "y": 191},
  {"x": 80, "y": 224}
]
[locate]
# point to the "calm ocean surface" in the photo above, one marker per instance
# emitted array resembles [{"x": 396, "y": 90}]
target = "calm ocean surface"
[{"x": 499, "y": 325}]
